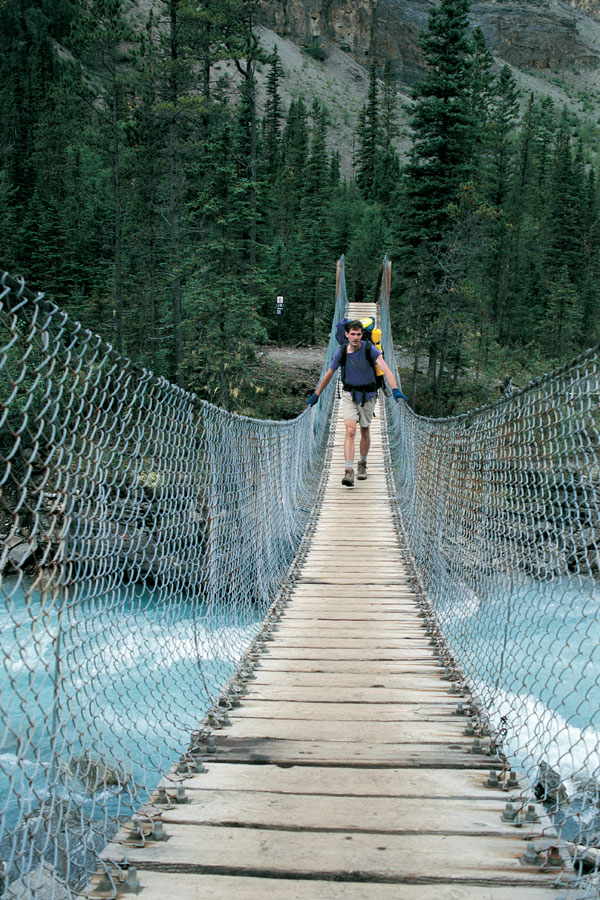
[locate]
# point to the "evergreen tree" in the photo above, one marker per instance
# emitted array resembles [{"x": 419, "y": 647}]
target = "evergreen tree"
[
  {"x": 369, "y": 136},
  {"x": 273, "y": 117},
  {"x": 312, "y": 257},
  {"x": 561, "y": 324},
  {"x": 387, "y": 162},
  {"x": 444, "y": 131}
]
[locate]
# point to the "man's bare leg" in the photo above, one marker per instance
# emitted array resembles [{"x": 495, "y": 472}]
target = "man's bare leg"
[
  {"x": 349, "y": 439},
  {"x": 365, "y": 441}
]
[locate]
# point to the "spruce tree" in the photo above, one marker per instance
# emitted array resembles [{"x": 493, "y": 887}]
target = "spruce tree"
[
  {"x": 444, "y": 130},
  {"x": 369, "y": 136},
  {"x": 273, "y": 117}
]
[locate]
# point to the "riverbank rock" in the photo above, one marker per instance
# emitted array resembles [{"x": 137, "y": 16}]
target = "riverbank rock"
[{"x": 41, "y": 883}]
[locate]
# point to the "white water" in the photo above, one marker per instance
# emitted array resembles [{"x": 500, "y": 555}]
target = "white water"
[
  {"x": 123, "y": 676},
  {"x": 532, "y": 652}
]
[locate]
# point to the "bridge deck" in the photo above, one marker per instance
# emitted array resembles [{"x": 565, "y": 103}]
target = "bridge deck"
[{"x": 345, "y": 774}]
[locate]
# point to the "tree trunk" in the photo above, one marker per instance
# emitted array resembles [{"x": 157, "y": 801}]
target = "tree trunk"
[
  {"x": 117, "y": 227},
  {"x": 440, "y": 377},
  {"x": 415, "y": 369},
  {"x": 174, "y": 210},
  {"x": 253, "y": 146},
  {"x": 432, "y": 364}
]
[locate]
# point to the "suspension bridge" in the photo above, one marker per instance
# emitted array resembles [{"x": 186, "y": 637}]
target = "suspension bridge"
[{"x": 226, "y": 674}]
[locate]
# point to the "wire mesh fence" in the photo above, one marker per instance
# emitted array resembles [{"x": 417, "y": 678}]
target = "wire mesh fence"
[
  {"x": 500, "y": 510},
  {"x": 144, "y": 535}
]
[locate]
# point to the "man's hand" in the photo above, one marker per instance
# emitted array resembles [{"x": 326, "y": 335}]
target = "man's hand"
[
  {"x": 314, "y": 398},
  {"x": 398, "y": 395}
]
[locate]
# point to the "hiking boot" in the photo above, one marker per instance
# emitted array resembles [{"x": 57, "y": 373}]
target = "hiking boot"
[
  {"x": 348, "y": 478},
  {"x": 362, "y": 470}
]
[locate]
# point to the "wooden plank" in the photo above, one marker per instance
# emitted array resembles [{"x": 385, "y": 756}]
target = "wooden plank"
[
  {"x": 390, "y": 782},
  {"x": 435, "y": 732},
  {"x": 293, "y": 693},
  {"x": 159, "y": 885},
  {"x": 453, "y": 755},
  {"x": 385, "y": 815},
  {"x": 388, "y": 857},
  {"x": 335, "y": 711},
  {"x": 380, "y": 678},
  {"x": 370, "y": 667},
  {"x": 366, "y": 653},
  {"x": 339, "y": 615},
  {"x": 342, "y": 781},
  {"x": 420, "y": 650}
]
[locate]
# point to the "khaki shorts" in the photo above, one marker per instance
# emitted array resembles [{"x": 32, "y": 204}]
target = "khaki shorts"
[{"x": 360, "y": 414}]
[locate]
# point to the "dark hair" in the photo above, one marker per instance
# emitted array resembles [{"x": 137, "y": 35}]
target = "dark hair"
[{"x": 354, "y": 325}]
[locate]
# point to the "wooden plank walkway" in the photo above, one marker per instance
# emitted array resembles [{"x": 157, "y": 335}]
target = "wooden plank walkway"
[{"x": 345, "y": 774}]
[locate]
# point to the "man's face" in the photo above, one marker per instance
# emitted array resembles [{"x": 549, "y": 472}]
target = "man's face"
[{"x": 354, "y": 337}]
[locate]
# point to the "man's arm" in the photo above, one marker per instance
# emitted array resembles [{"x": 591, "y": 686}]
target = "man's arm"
[
  {"x": 386, "y": 371},
  {"x": 324, "y": 382},
  {"x": 314, "y": 398}
]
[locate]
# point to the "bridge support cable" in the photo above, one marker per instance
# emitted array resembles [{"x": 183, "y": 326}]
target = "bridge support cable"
[
  {"x": 500, "y": 514},
  {"x": 144, "y": 536}
]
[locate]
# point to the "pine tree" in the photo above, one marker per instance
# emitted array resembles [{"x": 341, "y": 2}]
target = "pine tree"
[
  {"x": 100, "y": 35},
  {"x": 387, "y": 161},
  {"x": 444, "y": 131},
  {"x": 273, "y": 117},
  {"x": 369, "y": 136},
  {"x": 221, "y": 321},
  {"x": 312, "y": 257},
  {"x": 561, "y": 324}
]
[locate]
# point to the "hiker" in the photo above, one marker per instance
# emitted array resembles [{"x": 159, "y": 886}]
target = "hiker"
[{"x": 359, "y": 394}]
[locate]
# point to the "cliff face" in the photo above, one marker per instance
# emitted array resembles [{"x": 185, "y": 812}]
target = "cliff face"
[
  {"x": 536, "y": 35},
  {"x": 590, "y": 7},
  {"x": 346, "y": 23}
]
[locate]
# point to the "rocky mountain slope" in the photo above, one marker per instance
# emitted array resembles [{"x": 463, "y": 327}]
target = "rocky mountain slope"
[
  {"x": 532, "y": 34},
  {"x": 552, "y": 46}
]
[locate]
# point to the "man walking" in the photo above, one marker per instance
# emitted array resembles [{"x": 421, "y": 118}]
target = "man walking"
[{"x": 359, "y": 394}]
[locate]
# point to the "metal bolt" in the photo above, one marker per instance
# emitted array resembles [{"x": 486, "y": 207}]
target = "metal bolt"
[
  {"x": 183, "y": 767},
  {"x": 131, "y": 884},
  {"x": 460, "y": 710},
  {"x": 162, "y": 796},
  {"x": 453, "y": 688},
  {"x": 485, "y": 731},
  {"x": 531, "y": 815},
  {"x": 531, "y": 857},
  {"x": 513, "y": 781},
  {"x": 137, "y": 832},
  {"x": 469, "y": 730},
  {"x": 477, "y": 748},
  {"x": 211, "y": 746},
  {"x": 180, "y": 796},
  {"x": 225, "y": 720},
  {"x": 509, "y": 814},
  {"x": 493, "y": 780},
  {"x": 158, "y": 831},
  {"x": 554, "y": 860},
  {"x": 105, "y": 884},
  {"x": 199, "y": 766}
]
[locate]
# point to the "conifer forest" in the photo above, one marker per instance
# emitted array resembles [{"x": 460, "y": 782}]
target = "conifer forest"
[{"x": 150, "y": 189}]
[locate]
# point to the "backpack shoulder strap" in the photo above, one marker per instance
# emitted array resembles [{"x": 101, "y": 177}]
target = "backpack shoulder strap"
[
  {"x": 368, "y": 347},
  {"x": 343, "y": 356}
]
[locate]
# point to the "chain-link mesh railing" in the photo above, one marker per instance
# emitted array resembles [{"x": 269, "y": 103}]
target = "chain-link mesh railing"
[
  {"x": 500, "y": 513},
  {"x": 144, "y": 535}
]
